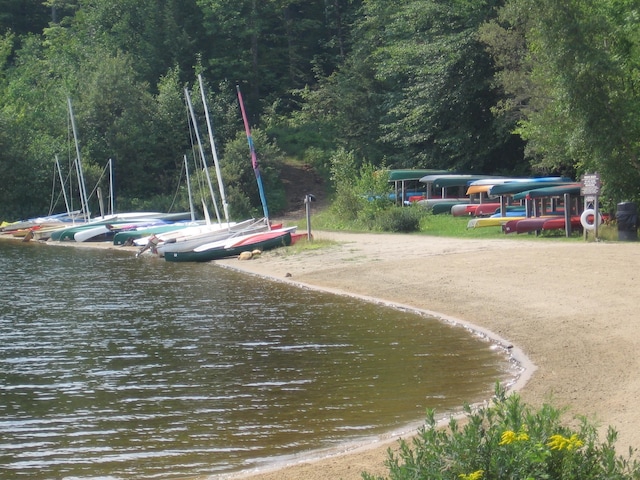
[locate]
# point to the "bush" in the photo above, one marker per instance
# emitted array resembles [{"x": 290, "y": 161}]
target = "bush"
[
  {"x": 508, "y": 440},
  {"x": 361, "y": 190},
  {"x": 401, "y": 219}
]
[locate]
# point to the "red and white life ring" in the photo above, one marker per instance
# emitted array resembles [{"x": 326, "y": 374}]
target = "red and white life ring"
[{"x": 588, "y": 214}]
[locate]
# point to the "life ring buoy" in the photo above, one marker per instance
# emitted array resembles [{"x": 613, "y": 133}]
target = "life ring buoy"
[{"x": 584, "y": 219}]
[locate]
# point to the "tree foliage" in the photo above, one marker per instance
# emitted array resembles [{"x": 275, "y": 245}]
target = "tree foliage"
[
  {"x": 491, "y": 86},
  {"x": 417, "y": 90},
  {"x": 574, "y": 85}
]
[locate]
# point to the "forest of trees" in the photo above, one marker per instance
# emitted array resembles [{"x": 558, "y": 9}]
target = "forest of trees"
[{"x": 478, "y": 86}]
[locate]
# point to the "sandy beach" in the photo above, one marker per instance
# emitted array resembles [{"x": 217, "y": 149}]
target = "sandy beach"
[{"x": 570, "y": 307}]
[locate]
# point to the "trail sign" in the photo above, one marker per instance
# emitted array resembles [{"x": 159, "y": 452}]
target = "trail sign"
[{"x": 590, "y": 184}]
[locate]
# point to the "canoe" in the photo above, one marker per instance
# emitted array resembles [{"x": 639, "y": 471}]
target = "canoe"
[
  {"x": 512, "y": 188},
  {"x": 554, "y": 191},
  {"x": 449, "y": 202},
  {"x": 445, "y": 206},
  {"x": 559, "y": 223},
  {"x": 400, "y": 175},
  {"x": 490, "y": 221},
  {"x": 484, "y": 185},
  {"x": 531, "y": 224},
  {"x": 259, "y": 241},
  {"x": 463, "y": 209},
  {"x": 510, "y": 226},
  {"x": 475, "y": 189},
  {"x": 66, "y": 233},
  {"x": 474, "y": 209},
  {"x": 86, "y": 234},
  {"x": 486, "y": 209},
  {"x": 512, "y": 211},
  {"x": 453, "y": 180}
]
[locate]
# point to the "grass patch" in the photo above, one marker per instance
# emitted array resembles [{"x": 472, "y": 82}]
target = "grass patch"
[
  {"x": 304, "y": 245},
  {"x": 436, "y": 225}
]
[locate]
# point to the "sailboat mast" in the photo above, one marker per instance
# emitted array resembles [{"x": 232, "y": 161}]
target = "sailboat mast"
[
  {"x": 254, "y": 158},
  {"x": 112, "y": 202},
  {"x": 186, "y": 170},
  {"x": 83, "y": 189},
  {"x": 62, "y": 184},
  {"x": 223, "y": 197},
  {"x": 204, "y": 161}
]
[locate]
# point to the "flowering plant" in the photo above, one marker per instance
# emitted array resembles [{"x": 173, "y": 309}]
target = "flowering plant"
[{"x": 509, "y": 440}]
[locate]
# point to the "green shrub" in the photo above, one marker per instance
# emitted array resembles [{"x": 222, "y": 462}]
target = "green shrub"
[
  {"x": 361, "y": 190},
  {"x": 347, "y": 202},
  {"x": 401, "y": 219},
  {"x": 508, "y": 440}
]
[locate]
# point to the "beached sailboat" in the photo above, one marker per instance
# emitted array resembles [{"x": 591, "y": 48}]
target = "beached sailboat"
[
  {"x": 257, "y": 236},
  {"x": 230, "y": 247},
  {"x": 128, "y": 237},
  {"x": 186, "y": 239}
]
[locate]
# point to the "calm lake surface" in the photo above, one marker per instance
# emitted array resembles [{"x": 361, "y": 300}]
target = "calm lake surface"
[{"x": 116, "y": 367}]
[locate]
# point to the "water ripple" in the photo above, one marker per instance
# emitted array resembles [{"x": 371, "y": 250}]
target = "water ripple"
[{"x": 114, "y": 367}]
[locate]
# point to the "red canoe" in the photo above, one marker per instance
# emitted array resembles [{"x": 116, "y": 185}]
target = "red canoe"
[
  {"x": 558, "y": 223},
  {"x": 510, "y": 225},
  {"x": 485, "y": 209},
  {"x": 528, "y": 225}
]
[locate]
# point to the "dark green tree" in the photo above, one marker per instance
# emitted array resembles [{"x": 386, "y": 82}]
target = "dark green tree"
[
  {"x": 33, "y": 123},
  {"x": 275, "y": 45},
  {"x": 417, "y": 90},
  {"x": 440, "y": 88},
  {"x": 23, "y": 16},
  {"x": 240, "y": 181},
  {"x": 157, "y": 35},
  {"x": 579, "y": 63}
]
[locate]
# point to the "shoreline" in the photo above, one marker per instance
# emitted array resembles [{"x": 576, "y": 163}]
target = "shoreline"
[
  {"x": 522, "y": 366},
  {"x": 569, "y": 307},
  {"x": 512, "y": 352}
]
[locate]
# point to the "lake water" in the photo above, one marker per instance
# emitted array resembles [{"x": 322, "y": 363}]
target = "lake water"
[{"x": 119, "y": 367}]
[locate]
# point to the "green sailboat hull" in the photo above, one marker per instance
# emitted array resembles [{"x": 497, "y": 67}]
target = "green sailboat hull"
[{"x": 283, "y": 240}]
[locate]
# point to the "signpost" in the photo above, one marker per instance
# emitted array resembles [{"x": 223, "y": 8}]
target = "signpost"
[{"x": 590, "y": 190}]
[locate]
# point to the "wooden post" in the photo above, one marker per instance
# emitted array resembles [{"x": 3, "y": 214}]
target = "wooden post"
[{"x": 567, "y": 215}]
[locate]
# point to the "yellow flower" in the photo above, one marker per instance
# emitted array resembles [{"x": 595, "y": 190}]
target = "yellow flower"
[
  {"x": 510, "y": 436},
  {"x": 558, "y": 442},
  {"x": 477, "y": 475}
]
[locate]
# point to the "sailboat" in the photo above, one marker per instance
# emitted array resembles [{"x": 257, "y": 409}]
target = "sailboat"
[
  {"x": 40, "y": 228},
  {"x": 246, "y": 242},
  {"x": 188, "y": 239},
  {"x": 108, "y": 223},
  {"x": 250, "y": 242},
  {"x": 143, "y": 234}
]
